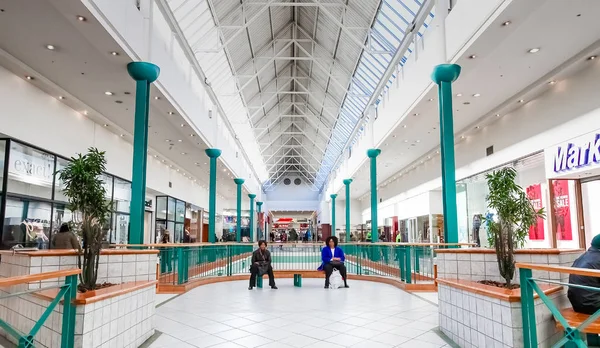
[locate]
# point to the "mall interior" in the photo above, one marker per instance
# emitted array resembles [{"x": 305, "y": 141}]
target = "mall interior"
[{"x": 452, "y": 148}]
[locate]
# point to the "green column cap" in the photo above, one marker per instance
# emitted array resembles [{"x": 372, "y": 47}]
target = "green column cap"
[
  {"x": 213, "y": 153},
  {"x": 238, "y": 181},
  {"x": 143, "y": 71},
  {"x": 333, "y": 196},
  {"x": 445, "y": 73},
  {"x": 347, "y": 181},
  {"x": 251, "y": 195},
  {"x": 259, "y": 203},
  {"x": 373, "y": 152}
]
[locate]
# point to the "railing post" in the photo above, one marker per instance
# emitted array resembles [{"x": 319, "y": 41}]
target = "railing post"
[
  {"x": 68, "y": 325},
  {"x": 181, "y": 269},
  {"x": 417, "y": 263},
  {"x": 408, "y": 270},
  {"x": 229, "y": 260},
  {"x": 527, "y": 309}
]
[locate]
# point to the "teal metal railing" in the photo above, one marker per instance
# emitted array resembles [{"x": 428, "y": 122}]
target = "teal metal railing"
[
  {"x": 573, "y": 335},
  {"x": 66, "y": 293}
]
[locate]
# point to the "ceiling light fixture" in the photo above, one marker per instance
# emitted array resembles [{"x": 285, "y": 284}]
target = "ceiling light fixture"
[
  {"x": 114, "y": 53},
  {"x": 61, "y": 97},
  {"x": 50, "y": 47},
  {"x": 108, "y": 93},
  {"x": 462, "y": 137},
  {"x": 472, "y": 56},
  {"x": 81, "y": 18},
  {"x": 497, "y": 115},
  {"x": 156, "y": 98},
  {"x": 155, "y": 156},
  {"x": 430, "y": 99},
  {"x": 183, "y": 153},
  {"x": 418, "y": 141},
  {"x": 416, "y": 114},
  {"x": 105, "y": 125},
  {"x": 459, "y": 94},
  {"x": 29, "y": 77},
  {"x": 552, "y": 82},
  {"x": 183, "y": 125},
  {"x": 476, "y": 95},
  {"x": 192, "y": 135},
  {"x": 592, "y": 57},
  {"x": 534, "y": 50},
  {"x": 122, "y": 135},
  {"x": 171, "y": 112},
  {"x": 168, "y": 140},
  {"x": 179, "y": 140},
  {"x": 506, "y": 24},
  {"x": 521, "y": 101},
  {"x": 404, "y": 126},
  {"x": 477, "y": 127}
]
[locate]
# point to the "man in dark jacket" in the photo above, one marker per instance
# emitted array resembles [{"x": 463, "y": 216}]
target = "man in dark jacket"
[
  {"x": 586, "y": 301},
  {"x": 261, "y": 264}
]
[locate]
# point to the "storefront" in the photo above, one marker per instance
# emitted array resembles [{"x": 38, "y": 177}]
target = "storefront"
[
  {"x": 230, "y": 224},
  {"x": 573, "y": 169},
  {"x": 32, "y": 204},
  {"x": 170, "y": 217}
]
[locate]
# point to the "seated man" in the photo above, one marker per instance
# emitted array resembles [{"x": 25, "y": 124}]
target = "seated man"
[
  {"x": 333, "y": 258},
  {"x": 261, "y": 264},
  {"x": 586, "y": 301}
]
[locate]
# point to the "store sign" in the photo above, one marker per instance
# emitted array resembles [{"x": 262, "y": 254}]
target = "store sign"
[
  {"x": 581, "y": 153},
  {"x": 37, "y": 170}
]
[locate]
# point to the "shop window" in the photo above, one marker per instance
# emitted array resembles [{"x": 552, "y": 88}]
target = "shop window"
[
  {"x": 30, "y": 171},
  {"x": 2, "y": 156},
  {"x": 161, "y": 208},
  {"x": 122, "y": 195},
  {"x": 120, "y": 230},
  {"x": 26, "y": 222},
  {"x": 171, "y": 209},
  {"x": 180, "y": 211}
]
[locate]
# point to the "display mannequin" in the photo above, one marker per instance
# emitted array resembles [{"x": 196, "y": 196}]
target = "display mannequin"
[{"x": 476, "y": 227}]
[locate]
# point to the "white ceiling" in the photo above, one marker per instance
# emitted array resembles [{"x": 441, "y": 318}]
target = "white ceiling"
[
  {"x": 82, "y": 69},
  {"x": 283, "y": 70},
  {"x": 502, "y": 73}
]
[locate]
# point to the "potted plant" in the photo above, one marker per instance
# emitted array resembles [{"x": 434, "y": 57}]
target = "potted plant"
[
  {"x": 83, "y": 186},
  {"x": 510, "y": 224}
]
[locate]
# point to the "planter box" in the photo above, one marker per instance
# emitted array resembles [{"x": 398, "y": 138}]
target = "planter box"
[
  {"x": 480, "y": 264},
  {"x": 477, "y": 315},
  {"x": 118, "y": 316}
]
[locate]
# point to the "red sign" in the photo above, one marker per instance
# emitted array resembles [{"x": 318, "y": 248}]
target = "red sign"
[
  {"x": 534, "y": 192},
  {"x": 562, "y": 210}
]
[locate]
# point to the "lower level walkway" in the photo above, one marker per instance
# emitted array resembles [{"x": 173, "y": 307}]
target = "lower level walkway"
[{"x": 368, "y": 315}]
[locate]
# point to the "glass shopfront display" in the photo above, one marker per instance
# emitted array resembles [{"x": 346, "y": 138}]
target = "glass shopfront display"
[
  {"x": 33, "y": 205},
  {"x": 170, "y": 218}
]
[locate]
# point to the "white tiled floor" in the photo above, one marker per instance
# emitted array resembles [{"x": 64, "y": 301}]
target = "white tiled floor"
[{"x": 369, "y": 315}]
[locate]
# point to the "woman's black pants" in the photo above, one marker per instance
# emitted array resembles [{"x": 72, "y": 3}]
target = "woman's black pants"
[
  {"x": 329, "y": 269},
  {"x": 254, "y": 273}
]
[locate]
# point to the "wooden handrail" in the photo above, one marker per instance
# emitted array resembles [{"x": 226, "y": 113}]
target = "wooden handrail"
[
  {"x": 182, "y": 245},
  {"x": 4, "y": 282},
  {"x": 560, "y": 269}
]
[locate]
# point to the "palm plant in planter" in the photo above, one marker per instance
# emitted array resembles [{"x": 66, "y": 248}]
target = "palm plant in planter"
[
  {"x": 82, "y": 184},
  {"x": 514, "y": 215}
]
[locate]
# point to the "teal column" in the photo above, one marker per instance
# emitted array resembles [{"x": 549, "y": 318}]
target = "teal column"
[
  {"x": 373, "y": 153},
  {"x": 251, "y": 196},
  {"x": 144, "y": 74},
  {"x": 443, "y": 75},
  {"x": 347, "y": 182},
  {"x": 238, "y": 224},
  {"x": 260, "y": 226},
  {"x": 333, "y": 214},
  {"x": 213, "y": 154}
]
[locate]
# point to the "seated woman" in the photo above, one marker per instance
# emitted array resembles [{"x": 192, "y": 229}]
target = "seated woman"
[{"x": 333, "y": 258}]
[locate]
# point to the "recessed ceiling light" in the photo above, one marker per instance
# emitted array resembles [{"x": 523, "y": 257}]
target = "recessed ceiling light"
[
  {"x": 122, "y": 135},
  {"x": 552, "y": 82},
  {"x": 183, "y": 125},
  {"x": 81, "y": 18},
  {"x": 592, "y": 57},
  {"x": 459, "y": 94},
  {"x": 430, "y": 99},
  {"x": 497, "y": 115},
  {"x": 163, "y": 161},
  {"x": 418, "y": 141},
  {"x": 428, "y": 157},
  {"x": 29, "y": 77},
  {"x": 406, "y": 140},
  {"x": 472, "y": 56},
  {"x": 477, "y": 95},
  {"x": 506, "y": 24},
  {"x": 477, "y": 127},
  {"x": 108, "y": 93},
  {"x": 85, "y": 112},
  {"x": 61, "y": 97},
  {"x": 168, "y": 140},
  {"x": 521, "y": 101},
  {"x": 183, "y": 153},
  {"x": 105, "y": 125},
  {"x": 179, "y": 140},
  {"x": 156, "y": 98},
  {"x": 462, "y": 137},
  {"x": 197, "y": 163},
  {"x": 534, "y": 50},
  {"x": 155, "y": 156},
  {"x": 170, "y": 165},
  {"x": 416, "y": 114},
  {"x": 404, "y": 126},
  {"x": 192, "y": 135},
  {"x": 171, "y": 112},
  {"x": 438, "y": 151},
  {"x": 50, "y": 47},
  {"x": 114, "y": 53},
  {"x": 224, "y": 170}
]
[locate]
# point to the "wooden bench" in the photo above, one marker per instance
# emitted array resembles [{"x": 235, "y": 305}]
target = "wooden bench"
[
  {"x": 297, "y": 275},
  {"x": 575, "y": 319}
]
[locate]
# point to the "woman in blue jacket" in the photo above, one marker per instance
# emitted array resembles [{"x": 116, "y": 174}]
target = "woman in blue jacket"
[{"x": 333, "y": 258}]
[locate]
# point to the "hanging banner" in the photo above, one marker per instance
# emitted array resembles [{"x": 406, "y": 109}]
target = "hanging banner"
[
  {"x": 534, "y": 192},
  {"x": 562, "y": 210}
]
